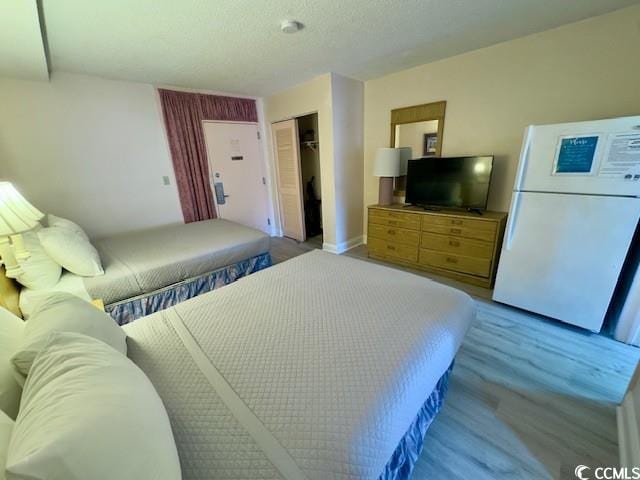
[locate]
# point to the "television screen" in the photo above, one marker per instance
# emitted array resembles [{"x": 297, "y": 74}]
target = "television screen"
[{"x": 461, "y": 182}]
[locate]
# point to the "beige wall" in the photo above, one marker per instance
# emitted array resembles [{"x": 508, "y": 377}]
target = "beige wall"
[
  {"x": 309, "y": 97},
  {"x": 348, "y": 131},
  {"x": 338, "y": 102},
  {"x": 585, "y": 70},
  {"x": 89, "y": 149}
]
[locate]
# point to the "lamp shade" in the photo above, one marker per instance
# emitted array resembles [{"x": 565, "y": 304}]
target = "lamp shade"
[
  {"x": 387, "y": 162},
  {"x": 405, "y": 156},
  {"x": 17, "y": 215}
]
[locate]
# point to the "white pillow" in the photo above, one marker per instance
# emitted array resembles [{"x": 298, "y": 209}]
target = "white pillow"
[
  {"x": 71, "y": 250},
  {"x": 6, "y": 425},
  {"x": 89, "y": 413},
  {"x": 53, "y": 221},
  {"x": 64, "y": 312},
  {"x": 11, "y": 332},
  {"x": 40, "y": 271}
]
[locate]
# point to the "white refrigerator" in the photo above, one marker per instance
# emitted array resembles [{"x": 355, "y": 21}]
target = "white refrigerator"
[{"x": 574, "y": 210}]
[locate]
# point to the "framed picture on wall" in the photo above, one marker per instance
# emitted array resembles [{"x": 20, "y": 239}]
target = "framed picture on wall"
[{"x": 430, "y": 144}]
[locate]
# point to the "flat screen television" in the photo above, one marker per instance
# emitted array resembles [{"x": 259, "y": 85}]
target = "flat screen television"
[{"x": 455, "y": 182}]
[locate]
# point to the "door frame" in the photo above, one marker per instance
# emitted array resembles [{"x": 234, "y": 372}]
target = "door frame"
[
  {"x": 263, "y": 164},
  {"x": 273, "y": 168}
]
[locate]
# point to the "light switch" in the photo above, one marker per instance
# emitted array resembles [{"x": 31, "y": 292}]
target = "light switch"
[{"x": 165, "y": 180}]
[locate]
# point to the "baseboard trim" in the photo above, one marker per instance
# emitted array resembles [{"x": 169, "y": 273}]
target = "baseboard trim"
[
  {"x": 330, "y": 247},
  {"x": 628, "y": 433},
  {"x": 343, "y": 246}
]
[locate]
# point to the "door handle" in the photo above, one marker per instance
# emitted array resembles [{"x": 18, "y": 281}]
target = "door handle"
[
  {"x": 511, "y": 221},
  {"x": 219, "y": 191}
]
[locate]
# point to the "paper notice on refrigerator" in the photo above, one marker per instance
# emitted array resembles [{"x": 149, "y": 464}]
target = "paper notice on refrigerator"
[
  {"x": 622, "y": 157},
  {"x": 575, "y": 154}
]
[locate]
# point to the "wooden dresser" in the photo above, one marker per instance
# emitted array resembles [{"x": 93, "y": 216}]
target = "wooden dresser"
[{"x": 461, "y": 245}]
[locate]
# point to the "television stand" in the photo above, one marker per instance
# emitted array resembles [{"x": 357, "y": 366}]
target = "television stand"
[
  {"x": 474, "y": 210},
  {"x": 453, "y": 243},
  {"x": 426, "y": 208}
]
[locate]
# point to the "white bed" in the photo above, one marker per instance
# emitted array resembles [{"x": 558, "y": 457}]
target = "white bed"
[
  {"x": 314, "y": 368},
  {"x": 145, "y": 261}
]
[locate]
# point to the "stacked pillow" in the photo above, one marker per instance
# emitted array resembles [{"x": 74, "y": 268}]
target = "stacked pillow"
[
  {"x": 62, "y": 245},
  {"x": 39, "y": 270},
  {"x": 59, "y": 222},
  {"x": 11, "y": 334},
  {"x": 6, "y": 427},
  {"x": 68, "y": 245},
  {"x": 64, "y": 312},
  {"x": 87, "y": 411}
]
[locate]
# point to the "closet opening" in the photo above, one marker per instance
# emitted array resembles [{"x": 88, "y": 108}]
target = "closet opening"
[
  {"x": 297, "y": 159},
  {"x": 310, "y": 173}
]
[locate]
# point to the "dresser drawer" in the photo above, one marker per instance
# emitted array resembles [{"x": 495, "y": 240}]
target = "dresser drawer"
[
  {"x": 412, "y": 224},
  {"x": 462, "y": 222},
  {"x": 456, "y": 263},
  {"x": 395, "y": 250},
  {"x": 460, "y": 227},
  {"x": 457, "y": 245},
  {"x": 395, "y": 219},
  {"x": 394, "y": 234}
]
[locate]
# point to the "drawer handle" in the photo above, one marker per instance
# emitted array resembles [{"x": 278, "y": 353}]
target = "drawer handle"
[
  {"x": 455, "y": 230},
  {"x": 452, "y": 260},
  {"x": 456, "y": 222},
  {"x": 391, "y": 232},
  {"x": 390, "y": 247},
  {"x": 393, "y": 222},
  {"x": 454, "y": 243}
]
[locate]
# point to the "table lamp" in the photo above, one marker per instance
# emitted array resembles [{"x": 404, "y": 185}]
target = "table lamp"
[
  {"x": 386, "y": 166},
  {"x": 17, "y": 215}
]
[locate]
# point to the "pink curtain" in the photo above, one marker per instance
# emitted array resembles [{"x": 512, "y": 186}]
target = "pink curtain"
[{"x": 183, "y": 115}]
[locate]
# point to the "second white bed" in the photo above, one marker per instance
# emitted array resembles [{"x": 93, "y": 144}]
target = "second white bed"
[{"x": 140, "y": 262}]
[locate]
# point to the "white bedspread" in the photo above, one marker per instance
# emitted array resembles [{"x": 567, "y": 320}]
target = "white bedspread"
[{"x": 333, "y": 356}]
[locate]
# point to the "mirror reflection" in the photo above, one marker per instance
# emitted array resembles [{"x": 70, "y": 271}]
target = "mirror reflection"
[{"x": 421, "y": 137}]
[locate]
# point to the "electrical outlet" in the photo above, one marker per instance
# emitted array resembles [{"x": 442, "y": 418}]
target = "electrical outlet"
[{"x": 165, "y": 180}]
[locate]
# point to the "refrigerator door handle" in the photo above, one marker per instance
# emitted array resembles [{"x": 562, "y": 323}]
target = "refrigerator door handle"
[
  {"x": 524, "y": 157},
  {"x": 511, "y": 221}
]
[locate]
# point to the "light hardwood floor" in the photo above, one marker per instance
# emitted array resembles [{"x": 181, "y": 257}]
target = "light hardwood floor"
[{"x": 528, "y": 397}]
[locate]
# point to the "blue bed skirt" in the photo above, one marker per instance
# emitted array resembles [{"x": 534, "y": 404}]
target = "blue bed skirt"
[
  {"x": 406, "y": 454},
  {"x": 129, "y": 310}
]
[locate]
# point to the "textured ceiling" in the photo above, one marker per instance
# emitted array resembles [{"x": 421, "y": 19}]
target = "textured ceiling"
[
  {"x": 237, "y": 46},
  {"x": 22, "y": 52}
]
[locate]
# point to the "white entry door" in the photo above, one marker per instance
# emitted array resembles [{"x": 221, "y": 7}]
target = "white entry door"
[{"x": 237, "y": 173}]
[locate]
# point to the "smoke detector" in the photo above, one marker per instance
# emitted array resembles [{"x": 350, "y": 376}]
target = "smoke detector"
[{"x": 290, "y": 26}]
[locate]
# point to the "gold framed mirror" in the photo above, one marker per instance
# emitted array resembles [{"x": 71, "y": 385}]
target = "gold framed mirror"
[{"x": 419, "y": 127}]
